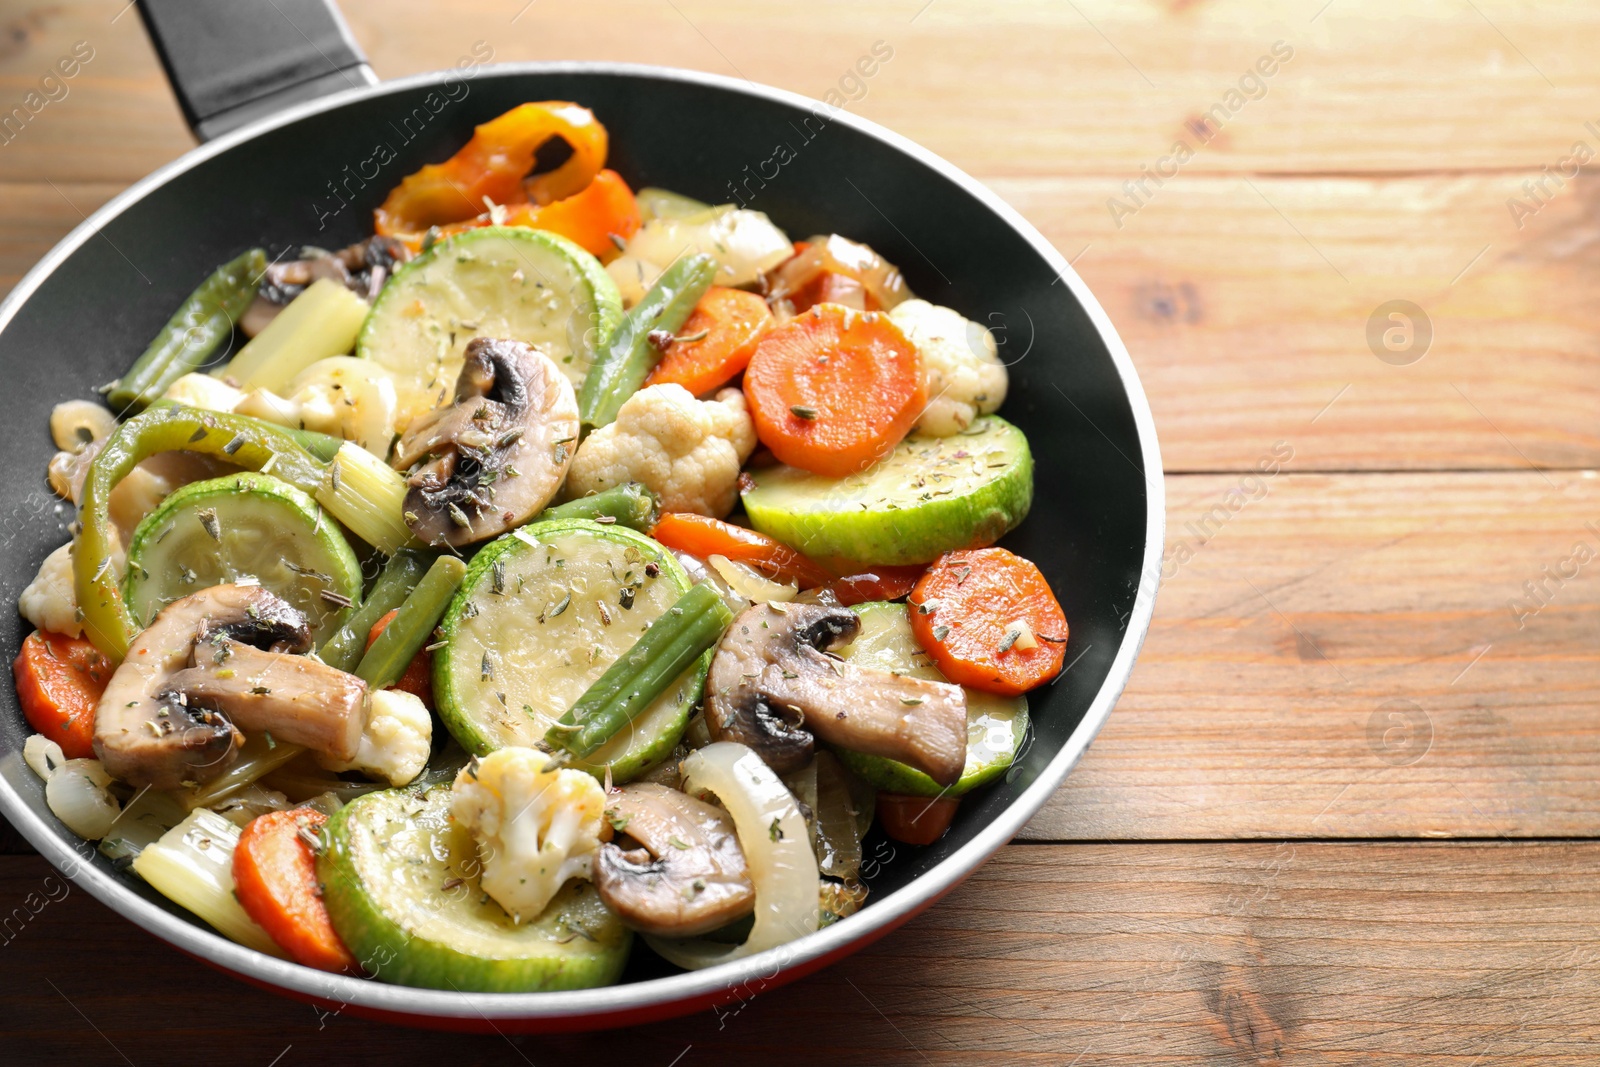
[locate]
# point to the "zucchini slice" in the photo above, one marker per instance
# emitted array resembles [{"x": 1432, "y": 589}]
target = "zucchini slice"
[
  {"x": 543, "y": 611},
  {"x": 996, "y": 725},
  {"x": 498, "y": 281},
  {"x": 400, "y": 881},
  {"x": 243, "y": 525},
  {"x": 928, "y": 496}
]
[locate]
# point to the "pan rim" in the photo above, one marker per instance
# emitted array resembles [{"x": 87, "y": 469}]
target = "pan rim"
[{"x": 806, "y": 954}]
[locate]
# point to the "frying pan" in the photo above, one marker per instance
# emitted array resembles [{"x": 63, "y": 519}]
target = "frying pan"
[{"x": 301, "y": 143}]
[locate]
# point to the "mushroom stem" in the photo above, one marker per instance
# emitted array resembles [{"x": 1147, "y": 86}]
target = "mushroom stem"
[
  {"x": 147, "y": 733},
  {"x": 294, "y": 698},
  {"x": 772, "y": 687}
]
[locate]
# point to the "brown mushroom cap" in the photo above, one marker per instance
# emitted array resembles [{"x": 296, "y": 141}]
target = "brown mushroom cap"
[
  {"x": 362, "y": 268},
  {"x": 498, "y": 454},
  {"x": 688, "y": 878},
  {"x": 771, "y": 687},
  {"x": 145, "y": 734}
]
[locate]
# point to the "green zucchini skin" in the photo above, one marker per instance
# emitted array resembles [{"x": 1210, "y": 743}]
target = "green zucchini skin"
[
  {"x": 524, "y": 643},
  {"x": 383, "y": 882},
  {"x": 996, "y": 725},
  {"x": 929, "y": 496},
  {"x": 243, "y": 525}
]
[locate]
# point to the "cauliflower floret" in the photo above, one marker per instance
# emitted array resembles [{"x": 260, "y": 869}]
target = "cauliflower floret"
[
  {"x": 961, "y": 367},
  {"x": 395, "y": 743},
  {"x": 688, "y": 451},
  {"x": 48, "y": 602},
  {"x": 536, "y": 829},
  {"x": 204, "y": 392}
]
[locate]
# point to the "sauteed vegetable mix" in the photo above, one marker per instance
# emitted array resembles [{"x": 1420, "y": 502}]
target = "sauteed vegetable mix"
[{"x": 560, "y": 563}]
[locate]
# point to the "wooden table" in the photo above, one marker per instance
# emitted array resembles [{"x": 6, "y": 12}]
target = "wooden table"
[{"x": 1346, "y": 811}]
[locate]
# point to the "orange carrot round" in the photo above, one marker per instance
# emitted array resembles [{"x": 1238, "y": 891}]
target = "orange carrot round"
[
  {"x": 275, "y": 879},
  {"x": 718, "y": 340},
  {"x": 916, "y": 820},
  {"x": 702, "y": 536},
  {"x": 59, "y": 682},
  {"x": 833, "y": 390},
  {"x": 418, "y": 677},
  {"x": 989, "y": 620}
]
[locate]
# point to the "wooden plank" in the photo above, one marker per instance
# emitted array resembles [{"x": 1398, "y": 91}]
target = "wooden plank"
[
  {"x": 1248, "y": 304},
  {"x": 1245, "y": 335},
  {"x": 35, "y": 215},
  {"x": 1298, "y": 609},
  {"x": 1034, "y": 88},
  {"x": 1150, "y": 954}
]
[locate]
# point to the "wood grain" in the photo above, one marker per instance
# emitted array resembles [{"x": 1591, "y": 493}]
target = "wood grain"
[
  {"x": 1297, "y": 953},
  {"x": 1286, "y": 628},
  {"x": 1335, "y": 655},
  {"x": 1031, "y": 87},
  {"x": 1246, "y": 304}
]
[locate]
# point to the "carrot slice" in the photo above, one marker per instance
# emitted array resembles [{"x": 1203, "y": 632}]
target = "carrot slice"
[
  {"x": 989, "y": 620},
  {"x": 704, "y": 537},
  {"x": 732, "y": 322},
  {"x": 275, "y": 879},
  {"x": 418, "y": 677},
  {"x": 834, "y": 390},
  {"x": 880, "y": 583},
  {"x": 59, "y": 682},
  {"x": 916, "y": 820},
  {"x": 598, "y": 217}
]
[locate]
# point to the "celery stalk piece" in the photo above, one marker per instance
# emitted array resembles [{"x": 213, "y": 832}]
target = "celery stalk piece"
[
  {"x": 192, "y": 866},
  {"x": 368, "y": 496},
  {"x": 322, "y": 321}
]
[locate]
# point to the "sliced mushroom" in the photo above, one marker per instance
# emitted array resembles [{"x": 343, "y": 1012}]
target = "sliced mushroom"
[
  {"x": 772, "y": 688},
  {"x": 498, "y": 454},
  {"x": 294, "y": 698},
  {"x": 689, "y": 875},
  {"x": 362, "y": 268},
  {"x": 146, "y": 735}
]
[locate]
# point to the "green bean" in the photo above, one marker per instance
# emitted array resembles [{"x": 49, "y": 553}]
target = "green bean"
[
  {"x": 409, "y": 630},
  {"x": 398, "y": 578},
  {"x": 193, "y": 333},
  {"x": 634, "y": 350},
  {"x": 629, "y": 504},
  {"x": 690, "y": 627}
]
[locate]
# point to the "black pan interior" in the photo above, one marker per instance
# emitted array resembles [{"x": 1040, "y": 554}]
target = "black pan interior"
[{"x": 315, "y": 181}]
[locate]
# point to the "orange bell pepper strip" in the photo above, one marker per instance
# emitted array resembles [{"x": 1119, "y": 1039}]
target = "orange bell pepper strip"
[
  {"x": 596, "y": 218},
  {"x": 495, "y": 165}
]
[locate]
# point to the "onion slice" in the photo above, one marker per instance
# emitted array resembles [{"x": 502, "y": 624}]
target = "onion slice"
[
  {"x": 79, "y": 794},
  {"x": 751, "y": 584},
  {"x": 777, "y": 850}
]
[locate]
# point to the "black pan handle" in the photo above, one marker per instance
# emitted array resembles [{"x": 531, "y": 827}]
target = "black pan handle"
[{"x": 232, "y": 61}]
